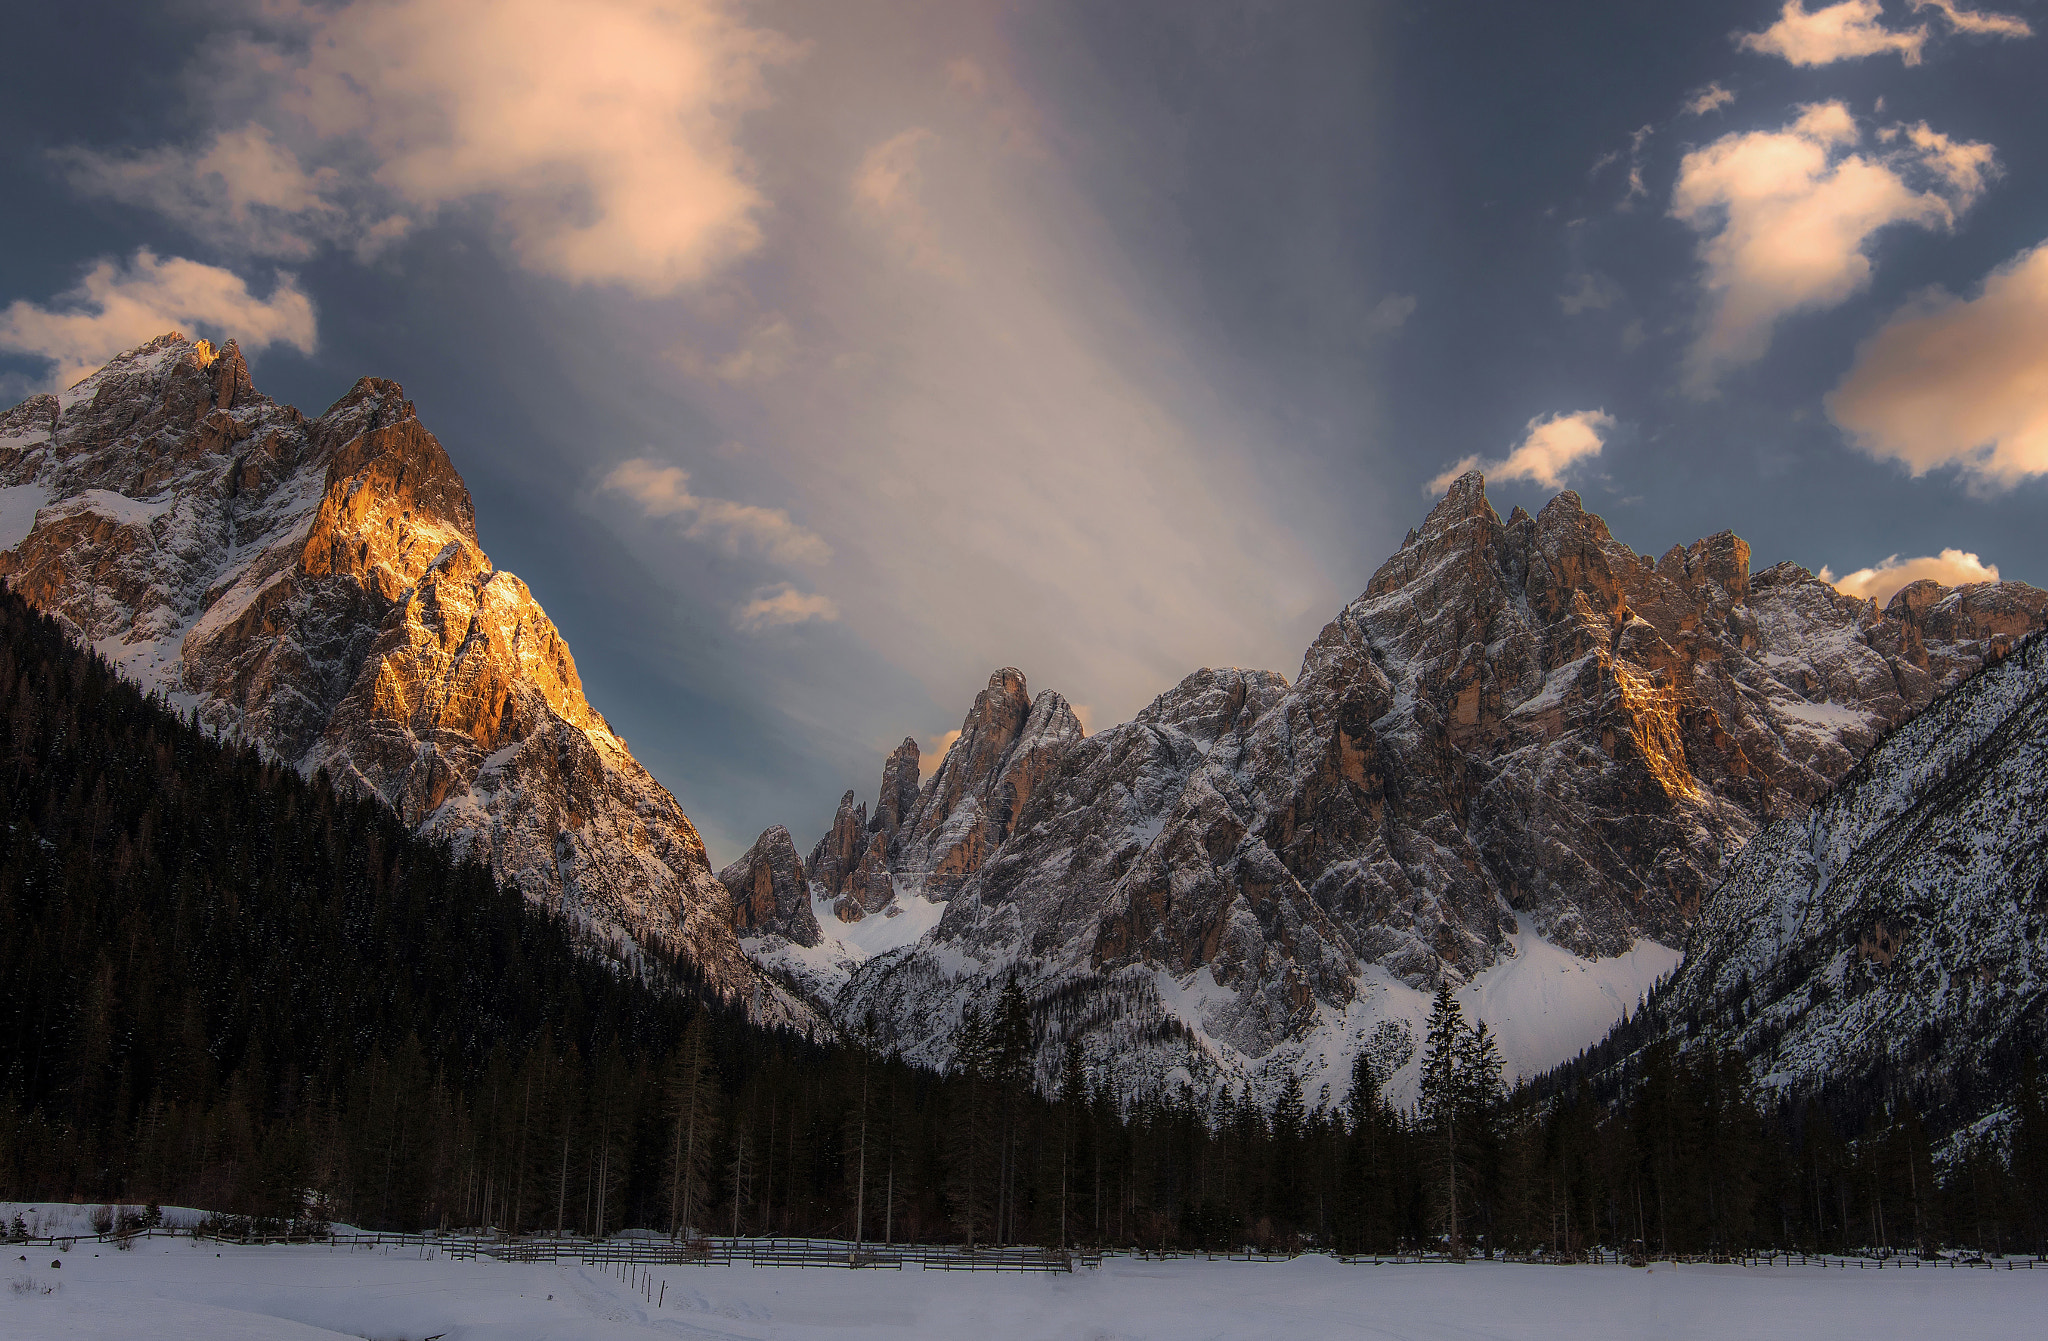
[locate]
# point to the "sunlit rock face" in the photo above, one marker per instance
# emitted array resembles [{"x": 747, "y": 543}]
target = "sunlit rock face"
[
  {"x": 1520, "y": 726},
  {"x": 315, "y": 586}
]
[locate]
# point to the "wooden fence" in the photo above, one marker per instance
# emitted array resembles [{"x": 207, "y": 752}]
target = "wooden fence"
[{"x": 840, "y": 1253}]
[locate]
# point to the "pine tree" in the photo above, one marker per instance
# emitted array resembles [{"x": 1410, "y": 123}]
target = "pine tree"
[
  {"x": 692, "y": 1113},
  {"x": 1442, "y": 1097}
]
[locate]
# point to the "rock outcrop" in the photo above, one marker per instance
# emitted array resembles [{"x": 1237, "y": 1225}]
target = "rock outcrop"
[
  {"x": 1520, "y": 728},
  {"x": 930, "y": 839},
  {"x": 770, "y": 895},
  {"x": 315, "y": 586}
]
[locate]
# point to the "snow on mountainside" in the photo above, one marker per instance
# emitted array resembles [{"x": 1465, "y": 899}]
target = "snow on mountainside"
[
  {"x": 1521, "y": 760},
  {"x": 1893, "y": 944},
  {"x": 315, "y": 586}
]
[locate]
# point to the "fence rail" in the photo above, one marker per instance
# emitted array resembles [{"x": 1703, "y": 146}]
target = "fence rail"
[{"x": 841, "y": 1253}]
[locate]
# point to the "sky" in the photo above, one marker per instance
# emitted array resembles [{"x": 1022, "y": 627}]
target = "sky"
[{"x": 811, "y": 361}]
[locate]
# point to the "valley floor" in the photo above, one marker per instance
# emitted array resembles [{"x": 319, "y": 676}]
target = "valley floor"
[{"x": 183, "y": 1288}]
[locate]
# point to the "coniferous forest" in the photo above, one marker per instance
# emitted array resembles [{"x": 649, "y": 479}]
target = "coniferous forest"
[{"x": 228, "y": 986}]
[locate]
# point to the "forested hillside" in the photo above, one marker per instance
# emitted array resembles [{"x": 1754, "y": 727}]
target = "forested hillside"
[{"x": 223, "y": 985}]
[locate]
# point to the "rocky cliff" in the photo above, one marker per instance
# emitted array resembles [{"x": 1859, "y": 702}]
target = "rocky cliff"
[
  {"x": 1523, "y": 739},
  {"x": 1890, "y": 947},
  {"x": 315, "y": 586}
]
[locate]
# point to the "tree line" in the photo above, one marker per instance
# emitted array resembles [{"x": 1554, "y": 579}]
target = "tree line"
[{"x": 226, "y": 985}]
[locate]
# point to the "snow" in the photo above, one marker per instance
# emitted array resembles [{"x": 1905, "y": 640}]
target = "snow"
[
  {"x": 168, "y": 1287},
  {"x": 18, "y": 504},
  {"x": 56, "y": 1219},
  {"x": 1543, "y": 1004},
  {"x": 825, "y": 968},
  {"x": 1831, "y": 720},
  {"x": 119, "y": 508},
  {"x": 1547, "y": 1004}
]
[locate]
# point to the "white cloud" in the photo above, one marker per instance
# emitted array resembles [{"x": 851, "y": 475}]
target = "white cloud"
[
  {"x": 1951, "y": 568},
  {"x": 1847, "y": 31},
  {"x": 1977, "y": 22},
  {"x": 1786, "y": 217},
  {"x": 116, "y": 307},
  {"x": 604, "y": 138},
  {"x": 1702, "y": 101},
  {"x": 1549, "y": 448},
  {"x": 664, "y": 491},
  {"x": 1591, "y": 291},
  {"x": 783, "y": 606},
  {"x": 1958, "y": 382}
]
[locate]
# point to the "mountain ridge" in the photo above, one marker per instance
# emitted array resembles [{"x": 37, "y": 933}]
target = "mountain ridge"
[
  {"x": 1520, "y": 729},
  {"x": 315, "y": 586}
]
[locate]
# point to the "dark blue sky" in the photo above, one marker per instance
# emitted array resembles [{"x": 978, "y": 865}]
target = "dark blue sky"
[{"x": 811, "y": 361}]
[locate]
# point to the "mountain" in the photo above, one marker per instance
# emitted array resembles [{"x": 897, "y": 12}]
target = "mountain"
[
  {"x": 1521, "y": 760},
  {"x": 1890, "y": 947},
  {"x": 315, "y": 587}
]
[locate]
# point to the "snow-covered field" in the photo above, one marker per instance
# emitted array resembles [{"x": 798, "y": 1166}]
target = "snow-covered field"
[{"x": 178, "y": 1288}]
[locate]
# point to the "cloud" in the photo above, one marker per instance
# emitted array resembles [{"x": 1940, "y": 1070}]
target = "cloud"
[
  {"x": 1847, "y": 31},
  {"x": 604, "y": 141},
  {"x": 934, "y": 753},
  {"x": 1958, "y": 382},
  {"x": 1854, "y": 29},
  {"x": 886, "y": 189},
  {"x": 1785, "y": 218},
  {"x": 1390, "y": 314},
  {"x": 242, "y": 189},
  {"x": 1702, "y": 101},
  {"x": 761, "y": 354},
  {"x": 1590, "y": 292},
  {"x": 783, "y": 606},
  {"x": 664, "y": 491},
  {"x": 1976, "y": 22},
  {"x": 1549, "y": 449},
  {"x": 1951, "y": 568},
  {"x": 116, "y": 307}
]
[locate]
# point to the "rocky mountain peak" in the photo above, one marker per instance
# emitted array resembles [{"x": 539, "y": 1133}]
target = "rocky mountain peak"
[
  {"x": 769, "y": 892},
  {"x": 1522, "y": 736},
  {"x": 316, "y": 588}
]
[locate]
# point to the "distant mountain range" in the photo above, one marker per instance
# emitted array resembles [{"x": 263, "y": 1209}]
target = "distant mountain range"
[{"x": 1523, "y": 760}]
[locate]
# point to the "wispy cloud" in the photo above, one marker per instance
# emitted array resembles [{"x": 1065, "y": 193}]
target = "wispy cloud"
[
  {"x": 664, "y": 491},
  {"x": 1550, "y": 447},
  {"x": 120, "y": 305},
  {"x": 1951, "y": 568},
  {"x": 1390, "y": 313},
  {"x": 782, "y": 607},
  {"x": 1786, "y": 218},
  {"x": 887, "y": 189},
  {"x": 1977, "y": 22},
  {"x": 1705, "y": 100},
  {"x": 1958, "y": 382},
  {"x": 1590, "y": 291},
  {"x": 761, "y": 353}
]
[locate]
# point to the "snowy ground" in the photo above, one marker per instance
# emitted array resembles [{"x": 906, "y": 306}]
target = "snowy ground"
[{"x": 178, "y": 1288}]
